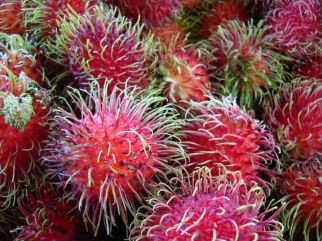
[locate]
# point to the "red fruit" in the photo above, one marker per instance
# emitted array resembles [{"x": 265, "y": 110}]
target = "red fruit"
[
  {"x": 11, "y": 17},
  {"x": 185, "y": 76},
  {"x": 295, "y": 26},
  {"x": 220, "y": 132},
  {"x": 221, "y": 13},
  {"x": 111, "y": 151},
  {"x": 311, "y": 67},
  {"x": 114, "y": 51},
  {"x": 244, "y": 63},
  {"x": 302, "y": 186},
  {"x": 48, "y": 216},
  {"x": 42, "y": 16},
  {"x": 18, "y": 55},
  {"x": 204, "y": 208},
  {"x": 23, "y": 119},
  {"x": 170, "y": 33},
  {"x": 295, "y": 117},
  {"x": 151, "y": 12},
  {"x": 191, "y": 3}
]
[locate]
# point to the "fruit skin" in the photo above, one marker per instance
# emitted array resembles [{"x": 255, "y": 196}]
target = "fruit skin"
[
  {"x": 302, "y": 187},
  {"x": 115, "y": 50},
  {"x": 110, "y": 152},
  {"x": 218, "y": 131},
  {"x": 244, "y": 63},
  {"x": 185, "y": 75},
  {"x": 11, "y": 17},
  {"x": 311, "y": 67},
  {"x": 221, "y": 12},
  {"x": 294, "y": 115},
  {"x": 295, "y": 26},
  {"x": 48, "y": 216},
  {"x": 151, "y": 12},
  {"x": 43, "y": 16},
  {"x": 204, "y": 208}
]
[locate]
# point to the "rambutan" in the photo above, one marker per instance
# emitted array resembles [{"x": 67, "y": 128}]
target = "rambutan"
[
  {"x": 19, "y": 55},
  {"x": 151, "y": 12},
  {"x": 205, "y": 208},
  {"x": 184, "y": 75},
  {"x": 42, "y": 16},
  {"x": 295, "y": 117},
  {"x": 302, "y": 186},
  {"x": 110, "y": 153},
  {"x": 295, "y": 26},
  {"x": 48, "y": 216},
  {"x": 311, "y": 67},
  {"x": 11, "y": 17},
  {"x": 220, "y": 13},
  {"x": 23, "y": 117},
  {"x": 220, "y": 132},
  {"x": 114, "y": 49},
  {"x": 244, "y": 64}
]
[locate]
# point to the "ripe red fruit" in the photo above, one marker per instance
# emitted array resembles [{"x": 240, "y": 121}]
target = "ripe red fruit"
[
  {"x": 42, "y": 16},
  {"x": 311, "y": 67},
  {"x": 302, "y": 186},
  {"x": 185, "y": 76},
  {"x": 220, "y": 132},
  {"x": 295, "y": 117},
  {"x": 151, "y": 12},
  {"x": 11, "y": 17},
  {"x": 221, "y": 13},
  {"x": 110, "y": 152},
  {"x": 19, "y": 55},
  {"x": 48, "y": 216},
  {"x": 245, "y": 65},
  {"x": 206, "y": 208},
  {"x": 295, "y": 26},
  {"x": 23, "y": 119},
  {"x": 114, "y": 51}
]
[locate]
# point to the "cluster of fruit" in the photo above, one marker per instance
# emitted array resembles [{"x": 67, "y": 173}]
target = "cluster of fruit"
[{"x": 159, "y": 120}]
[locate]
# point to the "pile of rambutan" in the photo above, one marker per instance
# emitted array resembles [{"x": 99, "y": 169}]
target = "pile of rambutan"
[{"x": 160, "y": 120}]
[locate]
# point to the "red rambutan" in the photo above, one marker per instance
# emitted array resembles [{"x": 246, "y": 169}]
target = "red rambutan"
[
  {"x": 219, "y": 132},
  {"x": 11, "y": 17},
  {"x": 311, "y": 67},
  {"x": 23, "y": 117},
  {"x": 295, "y": 117},
  {"x": 221, "y": 13},
  {"x": 302, "y": 185},
  {"x": 184, "y": 75},
  {"x": 204, "y": 208},
  {"x": 42, "y": 16},
  {"x": 243, "y": 62},
  {"x": 150, "y": 12},
  {"x": 48, "y": 216},
  {"x": 295, "y": 26},
  {"x": 105, "y": 46},
  {"x": 112, "y": 151}
]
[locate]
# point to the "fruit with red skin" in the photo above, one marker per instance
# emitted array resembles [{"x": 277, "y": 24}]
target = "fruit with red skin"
[
  {"x": 110, "y": 152},
  {"x": 302, "y": 185},
  {"x": 243, "y": 61},
  {"x": 42, "y": 16},
  {"x": 11, "y": 17},
  {"x": 220, "y": 132},
  {"x": 19, "y": 55},
  {"x": 48, "y": 216},
  {"x": 205, "y": 208},
  {"x": 23, "y": 127},
  {"x": 151, "y": 12},
  {"x": 295, "y": 26},
  {"x": 311, "y": 67},
  {"x": 185, "y": 75},
  {"x": 221, "y": 13},
  {"x": 295, "y": 117},
  {"x": 115, "y": 50}
]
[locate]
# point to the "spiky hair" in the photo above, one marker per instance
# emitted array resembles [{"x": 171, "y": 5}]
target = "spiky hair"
[
  {"x": 109, "y": 149},
  {"x": 203, "y": 207}
]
